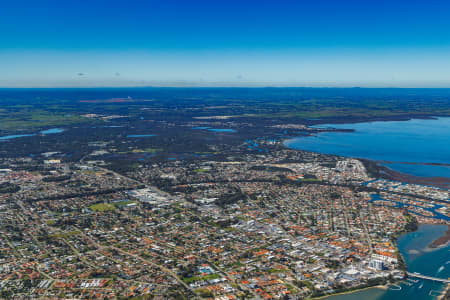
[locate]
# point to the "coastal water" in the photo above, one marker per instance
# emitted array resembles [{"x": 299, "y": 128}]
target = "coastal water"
[
  {"x": 14, "y": 136},
  {"x": 52, "y": 131},
  {"x": 433, "y": 208},
  {"x": 213, "y": 129},
  {"x": 414, "y": 141},
  {"x": 44, "y": 132},
  {"x": 221, "y": 130},
  {"x": 140, "y": 135},
  {"x": 419, "y": 258}
]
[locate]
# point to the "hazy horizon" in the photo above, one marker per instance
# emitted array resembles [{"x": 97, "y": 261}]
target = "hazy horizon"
[{"x": 231, "y": 44}]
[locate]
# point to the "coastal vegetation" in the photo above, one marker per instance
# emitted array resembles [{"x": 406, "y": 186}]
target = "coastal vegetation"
[
  {"x": 102, "y": 207},
  {"x": 442, "y": 240},
  {"x": 411, "y": 222},
  {"x": 63, "y": 107},
  {"x": 6, "y": 188}
]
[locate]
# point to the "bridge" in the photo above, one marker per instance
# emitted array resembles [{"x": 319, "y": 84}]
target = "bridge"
[{"x": 417, "y": 275}]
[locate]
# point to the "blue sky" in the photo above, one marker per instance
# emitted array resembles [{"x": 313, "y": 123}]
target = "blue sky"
[{"x": 224, "y": 43}]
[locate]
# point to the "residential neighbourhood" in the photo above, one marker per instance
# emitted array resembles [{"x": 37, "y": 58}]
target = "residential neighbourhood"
[{"x": 281, "y": 224}]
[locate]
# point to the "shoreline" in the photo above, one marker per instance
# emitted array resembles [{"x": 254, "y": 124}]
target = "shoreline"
[
  {"x": 354, "y": 120},
  {"x": 445, "y": 293},
  {"x": 378, "y": 169},
  {"x": 413, "y": 163},
  {"x": 385, "y": 286},
  {"x": 382, "y": 287},
  {"x": 441, "y": 241},
  {"x": 440, "y": 182}
]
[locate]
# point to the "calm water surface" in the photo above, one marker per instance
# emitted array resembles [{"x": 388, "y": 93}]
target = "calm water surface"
[
  {"x": 221, "y": 130},
  {"x": 213, "y": 129},
  {"x": 140, "y": 135},
  {"x": 52, "y": 131},
  {"x": 14, "y": 136},
  {"x": 418, "y": 141}
]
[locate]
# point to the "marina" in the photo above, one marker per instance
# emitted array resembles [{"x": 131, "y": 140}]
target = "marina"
[{"x": 428, "y": 269}]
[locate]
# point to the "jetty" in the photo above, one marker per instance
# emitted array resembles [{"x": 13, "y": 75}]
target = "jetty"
[{"x": 418, "y": 275}]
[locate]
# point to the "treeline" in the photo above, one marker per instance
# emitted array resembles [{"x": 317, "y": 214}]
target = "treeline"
[
  {"x": 411, "y": 222},
  {"x": 57, "y": 178},
  {"x": 230, "y": 198},
  {"x": 6, "y": 188},
  {"x": 78, "y": 195},
  {"x": 270, "y": 169}
]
